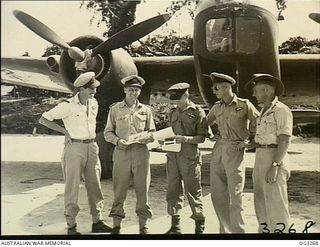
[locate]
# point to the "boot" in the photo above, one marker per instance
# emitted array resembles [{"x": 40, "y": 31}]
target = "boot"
[
  {"x": 115, "y": 230},
  {"x": 143, "y": 229},
  {"x": 175, "y": 226},
  {"x": 116, "y": 225},
  {"x": 101, "y": 227},
  {"x": 73, "y": 231},
  {"x": 199, "y": 226}
]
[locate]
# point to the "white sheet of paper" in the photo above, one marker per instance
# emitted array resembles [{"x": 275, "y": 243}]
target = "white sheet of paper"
[
  {"x": 137, "y": 137},
  {"x": 171, "y": 147},
  {"x": 163, "y": 134}
]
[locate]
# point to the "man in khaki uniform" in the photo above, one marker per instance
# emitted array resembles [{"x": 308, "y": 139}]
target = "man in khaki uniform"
[
  {"x": 80, "y": 152},
  {"x": 236, "y": 119},
  {"x": 270, "y": 174},
  {"x": 188, "y": 122},
  {"x": 130, "y": 160}
]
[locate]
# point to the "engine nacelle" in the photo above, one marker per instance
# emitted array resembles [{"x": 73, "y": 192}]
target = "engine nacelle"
[
  {"x": 100, "y": 64},
  {"x": 53, "y": 62}
]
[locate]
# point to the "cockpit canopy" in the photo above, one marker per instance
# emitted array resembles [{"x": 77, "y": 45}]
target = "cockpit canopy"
[{"x": 226, "y": 34}]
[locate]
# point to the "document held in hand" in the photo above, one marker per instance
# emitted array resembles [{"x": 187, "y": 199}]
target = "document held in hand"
[
  {"x": 167, "y": 137},
  {"x": 162, "y": 135},
  {"x": 135, "y": 138}
]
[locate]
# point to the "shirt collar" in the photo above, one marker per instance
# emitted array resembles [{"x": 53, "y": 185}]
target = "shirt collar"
[
  {"x": 123, "y": 104},
  {"x": 234, "y": 100},
  {"x": 75, "y": 99},
  {"x": 275, "y": 101},
  {"x": 273, "y": 104},
  {"x": 189, "y": 105}
]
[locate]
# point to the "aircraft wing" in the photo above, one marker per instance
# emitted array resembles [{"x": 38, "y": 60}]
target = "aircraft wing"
[
  {"x": 31, "y": 72},
  {"x": 300, "y": 74},
  {"x": 162, "y": 72}
]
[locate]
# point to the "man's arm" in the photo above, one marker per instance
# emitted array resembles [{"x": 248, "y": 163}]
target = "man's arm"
[
  {"x": 109, "y": 131},
  {"x": 283, "y": 145},
  {"x": 252, "y": 116},
  {"x": 284, "y": 122},
  {"x": 54, "y": 126},
  {"x": 202, "y": 131}
]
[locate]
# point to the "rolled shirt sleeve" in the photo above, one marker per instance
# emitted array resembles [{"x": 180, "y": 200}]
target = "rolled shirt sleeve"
[
  {"x": 60, "y": 111},
  {"x": 284, "y": 121}
]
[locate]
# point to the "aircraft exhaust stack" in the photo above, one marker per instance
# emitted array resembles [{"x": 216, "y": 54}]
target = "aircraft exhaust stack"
[{"x": 53, "y": 63}]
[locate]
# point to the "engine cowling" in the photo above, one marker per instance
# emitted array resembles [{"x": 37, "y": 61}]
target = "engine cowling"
[{"x": 100, "y": 64}]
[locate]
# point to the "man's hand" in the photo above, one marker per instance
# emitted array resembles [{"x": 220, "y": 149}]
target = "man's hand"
[
  {"x": 122, "y": 144},
  {"x": 147, "y": 139},
  {"x": 244, "y": 144},
  {"x": 180, "y": 139},
  {"x": 67, "y": 139},
  {"x": 272, "y": 174},
  {"x": 213, "y": 138}
]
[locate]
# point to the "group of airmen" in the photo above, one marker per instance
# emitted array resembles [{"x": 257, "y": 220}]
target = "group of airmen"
[{"x": 240, "y": 126}]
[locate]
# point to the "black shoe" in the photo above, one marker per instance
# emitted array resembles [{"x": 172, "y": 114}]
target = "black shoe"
[
  {"x": 101, "y": 227},
  {"x": 144, "y": 230},
  {"x": 73, "y": 231},
  {"x": 115, "y": 230},
  {"x": 174, "y": 230},
  {"x": 199, "y": 227}
]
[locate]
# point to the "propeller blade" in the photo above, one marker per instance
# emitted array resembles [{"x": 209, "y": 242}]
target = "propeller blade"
[
  {"x": 130, "y": 34},
  {"x": 39, "y": 28},
  {"x": 315, "y": 17}
]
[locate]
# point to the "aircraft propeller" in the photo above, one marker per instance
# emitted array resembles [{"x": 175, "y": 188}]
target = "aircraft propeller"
[
  {"x": 46, "y": 33},
  {"x": 120, "y": 39}
]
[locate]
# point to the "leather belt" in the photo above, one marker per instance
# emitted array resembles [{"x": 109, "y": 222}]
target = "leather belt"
[
  {"x": 258, "y": 145},
  {"x": 83, "y": 141}
]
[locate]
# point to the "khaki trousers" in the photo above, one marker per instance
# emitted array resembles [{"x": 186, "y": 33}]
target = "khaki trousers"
[
  {"x": 132, "y": 162},
  {"x": 77, "y": 159},
  {"x": 187, "y": 169},
  {"x": 227, "y": 177},
  {"x": 270, "y": 199}
]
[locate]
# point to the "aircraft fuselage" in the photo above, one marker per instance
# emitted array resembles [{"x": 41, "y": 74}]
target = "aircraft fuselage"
[{"x": 233, "y": 38}]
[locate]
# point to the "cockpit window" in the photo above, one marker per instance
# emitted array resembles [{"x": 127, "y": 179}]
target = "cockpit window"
[
  {"x": 219, "y": 35},
  {"x": 225, "y": 35}
]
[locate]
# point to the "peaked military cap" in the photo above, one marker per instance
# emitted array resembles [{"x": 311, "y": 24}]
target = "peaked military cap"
[
  {"x": 268, "y": 80},
  {"x": 219, "y": 78},
  {"x": 177, "y": 90},
  {"x": 87, "y": 79},
  {"x": 133, "y": 81}
]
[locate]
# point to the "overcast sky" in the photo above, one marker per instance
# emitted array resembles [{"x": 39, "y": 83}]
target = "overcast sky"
[{"x": 69, "y": 21}]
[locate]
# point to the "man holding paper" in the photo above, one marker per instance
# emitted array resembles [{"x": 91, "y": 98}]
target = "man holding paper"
[
  {"x": 188, "y": 122},
  {"x": 131, "y": 156}
]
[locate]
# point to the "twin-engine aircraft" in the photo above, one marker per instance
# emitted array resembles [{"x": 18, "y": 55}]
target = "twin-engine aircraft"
[{"x": 238, "y": 38}]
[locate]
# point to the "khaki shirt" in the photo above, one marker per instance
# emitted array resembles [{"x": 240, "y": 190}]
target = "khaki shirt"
[
  {"x": 79, "y": 120},
  {"x": 123, "y": 121},
  {"x": 191, "y": 121},
  {"x": 275, "y": 121},
  {"x": 236, "y": 121}
]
